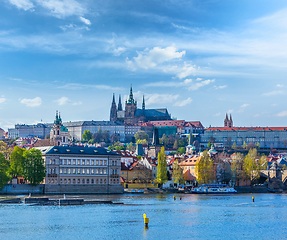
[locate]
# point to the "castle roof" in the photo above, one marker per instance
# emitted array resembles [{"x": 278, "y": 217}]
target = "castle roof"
[{"x": 161, "y": 112}]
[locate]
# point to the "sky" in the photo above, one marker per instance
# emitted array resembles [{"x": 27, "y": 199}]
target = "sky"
[{"x": 200, "y": 59}]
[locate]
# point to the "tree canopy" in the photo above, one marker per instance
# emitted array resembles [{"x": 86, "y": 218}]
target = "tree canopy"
[
  {"x": 141, "y": 135},
  {"x": 33, "y": 166},
  {"x": 161, "y": 167},
  {"x": 4, "y": 166},
  {"x": 87, "y": 135},
  {"x": 16, "y": 159},
  {"x": 204, "y": 169},
  {"x": 177, "y": 173}
]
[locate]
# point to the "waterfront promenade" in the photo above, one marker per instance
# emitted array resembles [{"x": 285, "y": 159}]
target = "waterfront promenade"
[{"x": 193, "y": 217}]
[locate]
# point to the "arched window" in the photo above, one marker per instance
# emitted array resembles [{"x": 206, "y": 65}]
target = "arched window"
[{"x": 58, "y": 132}]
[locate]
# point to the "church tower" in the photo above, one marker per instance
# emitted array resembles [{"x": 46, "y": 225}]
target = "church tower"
[
  {"x": 120, "y": 107},
  {"x": 228, "y": 122},
  {"x": 59, "y": 134},
  {"x": 113, "y": 112},
  {"x": 130, "y": 109}
]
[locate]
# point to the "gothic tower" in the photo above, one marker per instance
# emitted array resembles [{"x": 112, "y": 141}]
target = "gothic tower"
[
  {"x": 228, "y": 122},
  {"x": 130, "y": 109},
  {"x": 113, "y": 112},
  {"x": 120, "y": 108}
]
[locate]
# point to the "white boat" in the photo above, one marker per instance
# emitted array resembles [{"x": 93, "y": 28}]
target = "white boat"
[{"x": 213, "y": 189}]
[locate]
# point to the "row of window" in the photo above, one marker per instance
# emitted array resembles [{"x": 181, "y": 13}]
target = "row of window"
[
  {"x": 83, "y": 171},
  {"x": 83, "y": 181},
  {"x": 83, "y": 162}
]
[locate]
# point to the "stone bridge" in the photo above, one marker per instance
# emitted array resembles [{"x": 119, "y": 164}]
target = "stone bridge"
[{"x": 279, "y": 175}]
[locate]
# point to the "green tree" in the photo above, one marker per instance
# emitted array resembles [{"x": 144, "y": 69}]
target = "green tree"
[
  {"x": 257, "y": 145},
  {"x": 34, "y": 167},
  {"x": 164, "y": 140},
  {"x": 234, "y": 147},
  {"x": 106, "y": 136},
  {"x": 175, "y": 145},
  {"x": 209, "y": 144},
  {"x": 237, "y": 167},
  {"x": 5, "y": 149},
  {"x": 252, "y": 165},
  {"x": 181, "y": 150},
  {"x": 244, "y": 145},
  {"x": 4, "y": 167},
  {"x": 87, "y": 136},
  {"x": 16, "y": 162},
  {"x": 131, "y": 147},
  {"x": 143, "y": 141},
  {"x": 177, "y": 173},
  {"x": 141, "y": 135},
  {"x": 204, "y": 169},
  {"x": 161, "y": 167}
]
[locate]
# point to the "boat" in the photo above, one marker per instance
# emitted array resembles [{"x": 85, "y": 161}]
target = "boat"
[{"x": 213, "y": 189}]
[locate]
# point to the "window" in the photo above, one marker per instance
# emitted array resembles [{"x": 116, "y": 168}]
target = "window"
[
  {"x": 88, "y": 180},
  {"x": 83, "y": 171},
  {"x": 61, "y": 170},
  {"x": 83, "y": 162},
  {"x": 101, "y": 181},
  {"x": 92, "y": 181},
  {"x": 112, "y": 163},
  {"x": 69, "y": 170},
  {"x": 65, "y": 161},
  {"x": 105, "y": 162},
  {"x": 97, "y": 171},
  {"x": 92, "y": 171},
  {"x": 105, "y": 180},
  {"x": 65, "y": 180},
  {"x": 115, "y": 163},
  {"x": 69, "y": 161},
  {"x": 93, "y": 162},
  {"x": 97, "y": 162},
  {"x": 61, "y": 161},
  {"x": 79, "y": 170},
  {"x": 74, "y": 170},
  {"x": 74, "y": 180},
  {"x": 101, "y": 171},
  {"x": 97, "y": 181},
  {"x": 88, "y": 161},
  {"x": 105, "y": 171},
  {"x": 101, "y": 162},
  {"x": 79, "y": 162},
  {"x": 65, "y": 170},
  {"x": 83, "y": 181},
  {"x": 74, "y": 162},
  {"x": 88, "y": 171},
  {"x": 61, "y": 181},
  {"x": 79, "y": 181}
]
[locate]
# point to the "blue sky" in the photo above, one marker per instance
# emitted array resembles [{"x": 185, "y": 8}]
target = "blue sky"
[{"x": 200, "y": 59}]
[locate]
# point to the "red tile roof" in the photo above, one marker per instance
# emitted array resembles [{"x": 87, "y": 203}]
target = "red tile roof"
[{"x": 246, "y": 128}]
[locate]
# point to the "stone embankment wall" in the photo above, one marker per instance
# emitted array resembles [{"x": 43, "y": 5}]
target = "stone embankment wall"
[
  {"x": 22, "y": 189},
  {"x": 83, "y": 188}
]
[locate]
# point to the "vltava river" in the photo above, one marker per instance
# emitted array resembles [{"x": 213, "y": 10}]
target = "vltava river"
[{"x": 193, "y": 217}]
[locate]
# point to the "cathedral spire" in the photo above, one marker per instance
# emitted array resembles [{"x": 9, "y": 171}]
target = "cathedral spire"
[
  {"x": 131, "y": 97},
  {"x": 113, "y": 99},
  {"x": 120, "y": 107},
  {"x": 143, "y": 106},
  {"x": 113, "y": 112}
]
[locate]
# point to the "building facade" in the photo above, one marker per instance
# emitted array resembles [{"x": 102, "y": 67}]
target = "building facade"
[
  {"x": 81, "y": 170},
  {"x": 40, "y": 130},
  {"x": 59, "y": 134}
]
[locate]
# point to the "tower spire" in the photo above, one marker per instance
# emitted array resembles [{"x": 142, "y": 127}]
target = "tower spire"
[
  {"x": 143, "y": 105},
  {"x": 120, "y": 107}
]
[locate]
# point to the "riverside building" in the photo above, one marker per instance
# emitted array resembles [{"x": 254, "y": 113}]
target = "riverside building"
[{"x": 81, "y": 170}]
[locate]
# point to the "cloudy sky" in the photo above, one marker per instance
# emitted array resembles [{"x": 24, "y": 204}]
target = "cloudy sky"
[{"x": 200, "y": 59}]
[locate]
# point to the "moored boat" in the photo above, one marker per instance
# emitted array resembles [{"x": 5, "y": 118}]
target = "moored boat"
[{"x": 213, "y": 189}]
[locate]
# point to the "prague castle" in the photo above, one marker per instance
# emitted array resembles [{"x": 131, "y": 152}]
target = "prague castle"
[{"x": 131, "y": 114}]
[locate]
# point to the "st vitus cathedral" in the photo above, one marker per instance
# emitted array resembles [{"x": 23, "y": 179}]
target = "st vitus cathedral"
[{"x": 131, "y": 114}]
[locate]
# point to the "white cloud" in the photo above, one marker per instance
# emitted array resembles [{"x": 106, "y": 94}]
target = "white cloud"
[
  {"x": 279, "y": 85},
  {"x": 157, "y": 98},
  {"x": 157, "y": 55},
  {"x": 217, "y": 114},
  {"x": 62, "y": 8},
  {"x": 230, "y": 111},
  {"x": 200, "y": 84},
  {"x": 78, "y": 86},
  {"x": 35, "y": 102},
  {"x": 22, "y": 4},
  {"x": 274, "y": 93},
  {"x": 274, "y": 104},
  {"x": 186, "y": 70},
  {"x": 86, "y": 21},
  {"x": 244, "y": 105},
  {"x": 118, "y": 51},
  {"x": 282, "y": 114},
  {"x": 2, "y": 99},
  {"x": 62, "y": 101},
  {"x": 183, "y": 103},
  {"x": 220, "y": 87}
]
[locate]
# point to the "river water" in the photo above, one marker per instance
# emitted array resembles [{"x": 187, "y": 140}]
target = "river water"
[{"x": 193, "y": 217}]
